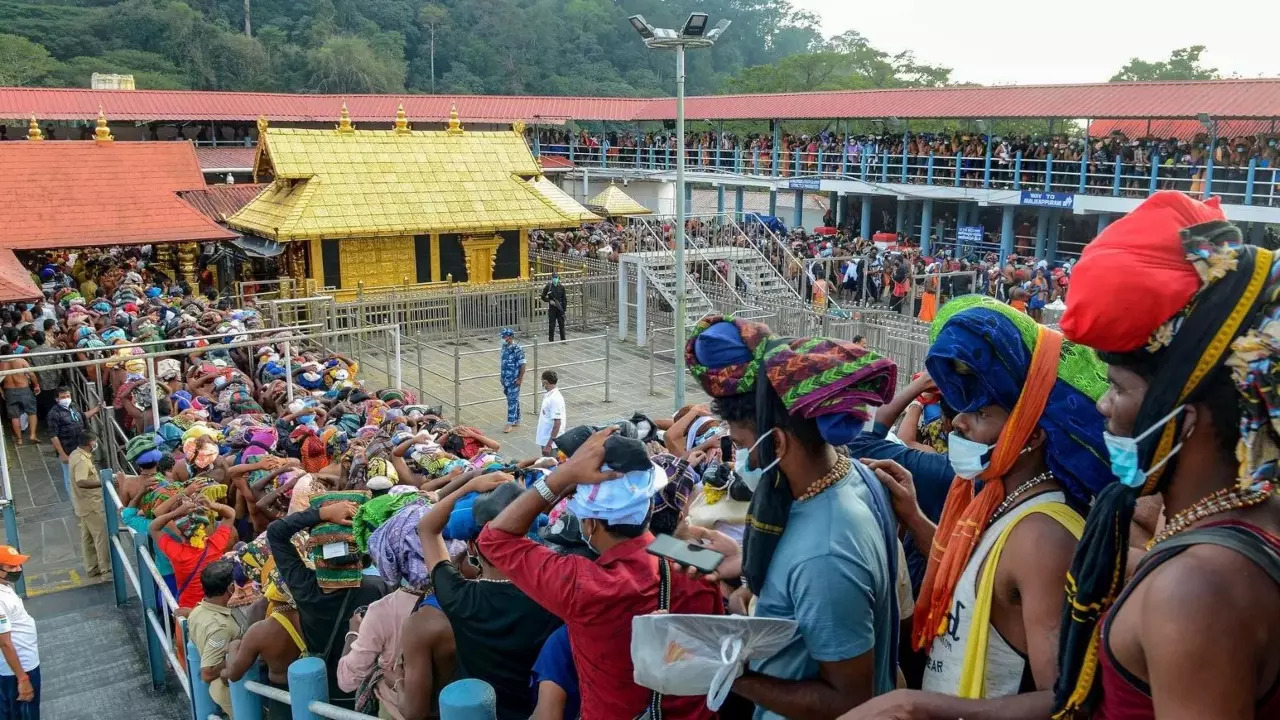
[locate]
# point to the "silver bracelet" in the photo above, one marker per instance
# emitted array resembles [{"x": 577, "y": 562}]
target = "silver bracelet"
[
  {"x": 350, "y": 634},
  {"x": 545, "y": 490}
]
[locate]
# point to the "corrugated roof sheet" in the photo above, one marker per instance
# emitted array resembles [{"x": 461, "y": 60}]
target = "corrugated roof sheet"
[
  {"x": 1181, "y": 129},
  {"x": 82, "y": 193},
  {"x": 562, "y": 200},
  {"x": 555, "y": 163},
  {"x": 378, "y": 183},
  {"x": 1258, "y": 98},
  {"x": 226, "y": 159},
  {"x": 219, "y": 202},
  {"x": 15, "y": 280},
  {"x": 614, "y": 202}
]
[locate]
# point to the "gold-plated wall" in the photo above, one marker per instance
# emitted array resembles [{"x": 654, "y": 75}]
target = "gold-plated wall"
[{"x": 376, "y": 261}]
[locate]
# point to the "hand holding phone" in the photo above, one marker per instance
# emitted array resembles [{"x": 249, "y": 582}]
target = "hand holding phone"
[{"x": 703, "y": 558}]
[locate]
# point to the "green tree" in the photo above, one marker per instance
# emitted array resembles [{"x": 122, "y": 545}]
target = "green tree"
[
  {"x": 1183, "y": 64},
  {"x": 431, "y": 17},
  {"x": 23, "y": 62},
  {"x": 349, "y": 64},
  {"x": 149, "y": 70}
]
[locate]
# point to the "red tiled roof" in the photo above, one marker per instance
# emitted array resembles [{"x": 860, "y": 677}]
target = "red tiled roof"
[
  {"x": 81, "y": 193},
  {"x": 1181, "y": 129},
  {"x": 1220, "y": 98},
  {"x": 218, "y": 202},
  {"x": 15, "y": 280},
  {"x": 555, "y": 162},
  {"x": 228, "y": 158}
]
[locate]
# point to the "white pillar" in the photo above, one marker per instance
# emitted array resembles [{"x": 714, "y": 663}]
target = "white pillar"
[
  {"x": 622, "y": 298},
  {"x": 642, "y": 308}
]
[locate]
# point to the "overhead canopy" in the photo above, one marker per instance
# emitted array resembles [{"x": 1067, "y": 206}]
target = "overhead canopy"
[
  {"x": 219, "y": 202},
  {"x": 562, "y": 200},
  {"x": 254, "y": 246},
  {"x": 1235, "y": 98},
  {"x": 613, "y": 202},
  {"x": 84, "y": 193},
  {"x": 15, "y": 280},
  {"x": 346, "y": 183}
]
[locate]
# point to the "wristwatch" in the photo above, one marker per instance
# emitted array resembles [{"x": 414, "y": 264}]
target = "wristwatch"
[{"x": 545, "y": 490}]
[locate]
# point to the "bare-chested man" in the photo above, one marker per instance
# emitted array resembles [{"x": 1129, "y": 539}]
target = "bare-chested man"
[{"x": 19, "y": 392}]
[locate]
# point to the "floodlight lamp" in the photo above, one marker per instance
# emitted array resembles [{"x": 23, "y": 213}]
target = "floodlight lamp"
[
  {"x": 1204, "y": 119},
  {"x": 696, "y": 25},
  {"x": 718, "y": 30},
  {"x": 642, "y": 26}
]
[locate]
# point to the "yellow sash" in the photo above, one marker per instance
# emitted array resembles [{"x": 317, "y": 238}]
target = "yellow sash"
[
  {"x": 293, "y": 633},
  {"x": 974, "y": 672}
]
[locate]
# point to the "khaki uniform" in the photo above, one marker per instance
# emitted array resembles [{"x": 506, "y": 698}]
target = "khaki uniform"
[
  {"x": 212, "y": 628},
  {"x": 87, "y": 503}
]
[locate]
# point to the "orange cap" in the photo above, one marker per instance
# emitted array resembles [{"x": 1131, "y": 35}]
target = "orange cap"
[{"x": 9, "y": 555}]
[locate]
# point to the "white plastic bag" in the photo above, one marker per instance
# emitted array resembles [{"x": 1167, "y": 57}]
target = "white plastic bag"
[{"x": 701, "y": 654}]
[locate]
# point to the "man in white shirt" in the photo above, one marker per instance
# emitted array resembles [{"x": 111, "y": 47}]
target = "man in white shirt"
[
  {"x": 551, "y": 418},
  {"x": 20, "y": 669}
]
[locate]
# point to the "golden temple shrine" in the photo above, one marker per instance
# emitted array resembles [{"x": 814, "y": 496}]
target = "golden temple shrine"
[{"x": 389, "y": 207}]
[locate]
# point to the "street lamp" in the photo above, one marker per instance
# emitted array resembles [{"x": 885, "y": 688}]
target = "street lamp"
[{"x": 694, "y": 34}]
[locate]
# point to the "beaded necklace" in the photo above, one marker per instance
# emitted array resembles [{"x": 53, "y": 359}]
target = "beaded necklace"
[
  {"x": 838, "y": 471},
  {"x": 1223, "y": 500},
  {"x": 1018, "y": 492}
]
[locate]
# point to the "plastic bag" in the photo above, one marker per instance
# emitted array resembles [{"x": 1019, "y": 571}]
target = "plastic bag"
[{"x": 701, "y": 654}]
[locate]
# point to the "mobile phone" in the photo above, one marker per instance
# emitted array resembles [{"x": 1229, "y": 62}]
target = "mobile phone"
[
  {"x": 726, "y": 448},
  {"x": 703, "y": 558}
]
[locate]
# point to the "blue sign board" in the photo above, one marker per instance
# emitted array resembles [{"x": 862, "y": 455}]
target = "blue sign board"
[
  {"x": 969, "y": 234},
  {"x": 805, "y": 184},
  {"x": 1047, "y": 199}
]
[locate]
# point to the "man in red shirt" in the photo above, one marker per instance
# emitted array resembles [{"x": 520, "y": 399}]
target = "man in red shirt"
[
  {"x": 597, "y": 598},
  {"x": 203, "y": 542}
]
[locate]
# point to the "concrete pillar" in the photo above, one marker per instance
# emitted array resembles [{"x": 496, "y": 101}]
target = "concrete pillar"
[
  {"x": 469, "y": 699},
  {"x": 720, "y": 199},
  {"x": 307, "y": 682},
  {"x": 1006, "y": 232},
  {"x": 1103, "y": 221},
  {"x": 799, "y": 209},
  {"x": 773, "y": 203},
  {"x": 642, "y": 309},
  {"x": 833, "y": 202},
  {"x": 865, "y": 201},
  {"x": 1055, "y": 229},
  {"x": 926, "y": 219},
  {"x": 688, "y": 199},
  {"x": 1042, "y": 230},
  {"x": 845, "y": 203},
  {"x": 940, "y": 227},
  {"x": 623, "y": 312},
  {"x": 1257, "y": 231},
  {"x": 738, "y": 200},
  {"x": 901, "y": 218}
]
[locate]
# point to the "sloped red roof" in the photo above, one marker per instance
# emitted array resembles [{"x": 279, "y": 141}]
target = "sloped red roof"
[
  {"x": 1220, "y": 98},
  {"x": 555, "y": 162},
  {"x": 15, "y": 280},
  {"x": 82, "y": 193},
  {"x": 1181, "y": 129},
  {"x": 218, "y": 202},
  {"x": 225, "y": 158}
]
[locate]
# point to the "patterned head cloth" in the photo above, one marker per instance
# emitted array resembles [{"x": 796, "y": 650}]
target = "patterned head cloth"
[
  {"x": 828, "y": 381},
  {"x": 342, "y": 570},
  {"x": 397, "y": 550},
  {"x": 315, "y": 455},
  {"x": 1208, "y": 314},
  {"x": 377, "y": 511}
]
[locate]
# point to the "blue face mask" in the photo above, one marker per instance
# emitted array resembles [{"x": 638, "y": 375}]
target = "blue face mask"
[
  {"x": 1124, "y": 453},
  {"x": 742, "y": 464},
  {"x": 968, "y": 458},
  {"x": 306, "y": 419}
]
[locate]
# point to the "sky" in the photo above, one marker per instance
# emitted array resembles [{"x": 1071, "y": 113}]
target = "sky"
[{"x": 1005, "y": 42}]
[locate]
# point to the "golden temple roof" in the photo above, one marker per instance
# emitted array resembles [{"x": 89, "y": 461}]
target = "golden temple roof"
[
  {"x": 379, "y": 183},
  {"x": 613, "y": 202},
  {"x": 562, "y": 200}
]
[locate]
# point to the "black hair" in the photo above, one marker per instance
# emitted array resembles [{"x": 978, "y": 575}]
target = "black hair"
[
  {"x": 859, "y": 338},
  {"x": 550, "y": 376},
  {"x": 61, "y": 389},
  {"x": 625, "y": 531},
  {"x": 90, "y": 437},
  {"x": 166, "y": 464},
  {"x": 49, "y": 324},
  {"x": 5, "y": 349},
  {"x": 38, "y": 336},
  {"x": 742, "y": 409},
  {"x": 163, "y": 406},
  {"x": 217, "y": 578}
]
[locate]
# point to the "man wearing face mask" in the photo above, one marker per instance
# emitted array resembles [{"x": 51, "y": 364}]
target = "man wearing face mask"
[
  {"x": 20, "y": 669},
  {"x": 1195, "y": 630},
  {"x": 1027, "y": 431},
  {"x": 553, "y": 295},
  {"x": 821, "y": 546},
  {"x": 86, "y": 500},
  {"x": 67, "y": 427}
]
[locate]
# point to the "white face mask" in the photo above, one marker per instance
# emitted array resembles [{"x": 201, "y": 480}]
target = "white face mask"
[
  {"x": 968, "y": 458},
  {"x": 64, "y": 402},
  {"x": 742, "y": 464}
]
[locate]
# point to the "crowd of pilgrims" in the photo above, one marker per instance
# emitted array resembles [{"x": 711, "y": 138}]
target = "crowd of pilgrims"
[{"x": 1042, "y": 523}]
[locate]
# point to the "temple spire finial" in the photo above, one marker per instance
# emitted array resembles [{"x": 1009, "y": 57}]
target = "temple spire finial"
[
  {"x": 402, "y": 121},
  {"x": 344, "y": 121},
  {"x": 262, "y": 126},
  {"x": 455, "y": 124},
  {"x": 33, "y": 130},
  {"x": 102, "y": 133}
]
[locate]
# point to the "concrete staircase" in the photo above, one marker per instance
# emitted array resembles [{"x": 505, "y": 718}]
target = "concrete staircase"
[
  {"x": 760, "y": 278},
  {"x": 662, "y": 277}
]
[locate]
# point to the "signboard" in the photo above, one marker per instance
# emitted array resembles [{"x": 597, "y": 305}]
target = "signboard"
[
  {"x": 805, "y": 184},
  {"x": 1046, "y": 199},
  {"x": 969, "y": 234}
]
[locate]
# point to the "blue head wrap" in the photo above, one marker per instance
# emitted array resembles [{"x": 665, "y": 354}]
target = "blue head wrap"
[{"x": 980, "y": 355}]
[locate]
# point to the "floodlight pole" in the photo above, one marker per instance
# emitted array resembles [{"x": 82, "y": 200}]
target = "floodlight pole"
[{"x": 680, "y": 318}]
